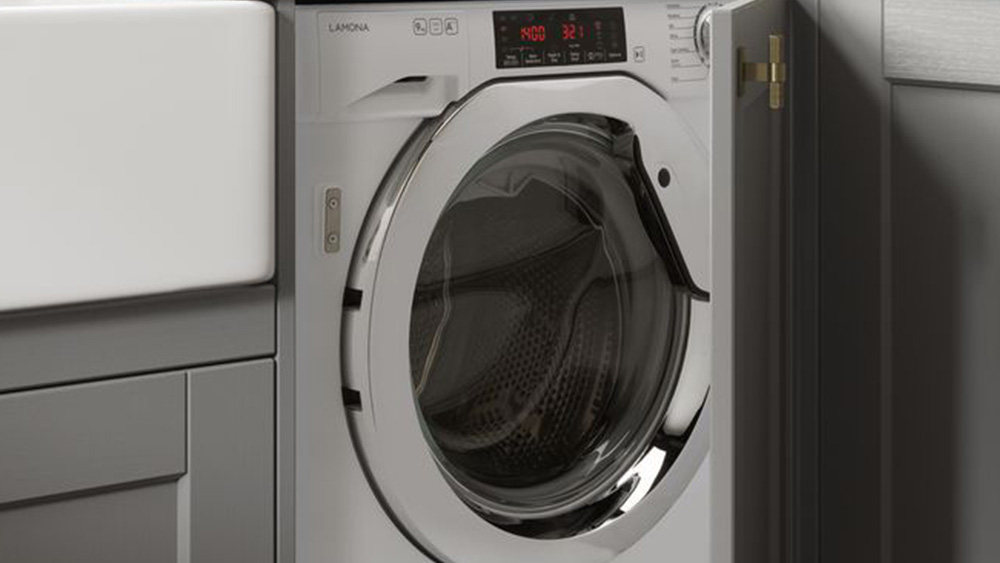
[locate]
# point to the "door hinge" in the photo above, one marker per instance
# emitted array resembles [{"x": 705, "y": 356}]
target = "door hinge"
[{"x": 774, "y": 73}]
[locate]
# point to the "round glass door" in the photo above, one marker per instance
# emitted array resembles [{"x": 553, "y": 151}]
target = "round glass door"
[{"x": 547, "y": 327}]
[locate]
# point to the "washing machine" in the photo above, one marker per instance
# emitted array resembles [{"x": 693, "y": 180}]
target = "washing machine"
[{"x": 508, "y": 317}]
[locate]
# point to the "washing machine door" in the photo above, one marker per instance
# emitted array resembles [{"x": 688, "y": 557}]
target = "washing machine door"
[{"x": 527, "y": 329}]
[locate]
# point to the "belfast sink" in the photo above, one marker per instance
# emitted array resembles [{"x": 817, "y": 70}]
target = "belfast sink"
[{"x": 136, "y": 148}]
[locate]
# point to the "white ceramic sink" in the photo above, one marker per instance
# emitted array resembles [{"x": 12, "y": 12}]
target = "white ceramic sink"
[{"x": 136, "y": 148}]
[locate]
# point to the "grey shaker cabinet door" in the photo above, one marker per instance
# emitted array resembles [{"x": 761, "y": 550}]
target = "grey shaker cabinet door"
[
  {"x": 161, "y": 468},
  {"x": 232, "y": 464}
]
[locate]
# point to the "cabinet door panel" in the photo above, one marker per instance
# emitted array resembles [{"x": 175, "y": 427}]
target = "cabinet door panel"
[
  {"x": 232, "y": 463},
  {"x": 164, "y": 468},
  {"x": 945, "y": 314},
  {"x": 121, "y": 526},
  {"x": 748, "y": 193}
]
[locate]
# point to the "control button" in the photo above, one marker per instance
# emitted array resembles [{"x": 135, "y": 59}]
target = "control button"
[
  {"x": 511, "y": 59},
  {"x": 703, "y": 32},
  {"x": 595, "y": 56},
  {"x": 639, "y": 54},
  {"x": 437, "y": 26},
  {"x": 451, "y": 26},
  {"x": 555, "y": 57},
  {"x": 575, "y": 57},
  {"x": 616, "y": 56},
  {"x": 532, "y": 58},
  {"x": 420, "y": 26}
]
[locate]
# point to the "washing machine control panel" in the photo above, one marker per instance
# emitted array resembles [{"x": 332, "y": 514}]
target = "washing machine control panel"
[{"x": 539, "y": 38}]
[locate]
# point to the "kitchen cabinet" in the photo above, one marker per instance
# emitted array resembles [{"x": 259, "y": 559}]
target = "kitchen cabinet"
[
  {"x": 907, "y": 128},
  {"x": 167, "y": 467}
]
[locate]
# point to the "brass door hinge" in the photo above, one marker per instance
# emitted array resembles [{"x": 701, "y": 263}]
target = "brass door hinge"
[{"x": 774, "y": 73}]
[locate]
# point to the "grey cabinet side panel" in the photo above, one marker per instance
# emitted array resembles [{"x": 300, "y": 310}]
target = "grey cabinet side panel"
[
  {"x": 802, "y": 430},
  {"x": 232, "y": 463},
  {"x": 946, "y": 324},
  {"x": 285, "y": 281},
  {"x": 851, "y": 102},
  {"x": 50, "y": 347},
  {"x": 125, "y": 526},
  {"x": 63, "y": 440}
]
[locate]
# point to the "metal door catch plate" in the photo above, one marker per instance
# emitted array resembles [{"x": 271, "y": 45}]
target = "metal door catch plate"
[{"x": 331, "y": 220}]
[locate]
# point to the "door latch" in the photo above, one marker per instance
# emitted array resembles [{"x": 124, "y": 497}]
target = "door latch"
[
  {"x": 331, "y": 220},
  {"x": 774, "y": 73}
]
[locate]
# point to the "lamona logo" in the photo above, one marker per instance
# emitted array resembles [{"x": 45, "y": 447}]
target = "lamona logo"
[{"x": 348, "y": 27}]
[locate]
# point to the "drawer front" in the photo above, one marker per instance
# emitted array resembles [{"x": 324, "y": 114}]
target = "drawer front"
[
  {"x": 954, "y": 41},
  {"x": 136, "y": 336},
  {"x": 63, "y": 440}
]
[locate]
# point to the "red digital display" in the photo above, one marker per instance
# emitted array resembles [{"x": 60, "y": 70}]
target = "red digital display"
[
  {"x": 533, "y": 33},
  {"x": 540, "y": 38},
  {"x": 572, "y": 31},
  {"x": 537, "y": 33}
]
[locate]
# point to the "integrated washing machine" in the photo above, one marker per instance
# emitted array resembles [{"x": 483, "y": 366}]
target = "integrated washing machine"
[{"x": 513, "y": 250}]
